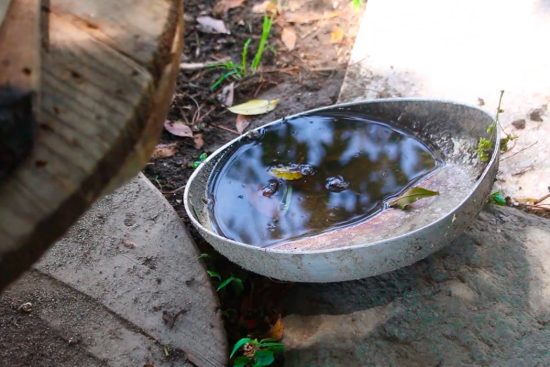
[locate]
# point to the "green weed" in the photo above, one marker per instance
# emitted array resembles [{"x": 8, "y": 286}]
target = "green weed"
[
  {"x": 240, "y": 70},
  {"x": 255, "y": 353}
]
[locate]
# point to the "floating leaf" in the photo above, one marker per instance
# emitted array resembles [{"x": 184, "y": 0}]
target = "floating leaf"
[
  {"x": 164, "y": 150},
  {"x": 222, "y": 6},
  {"x": 288, "y": 36},
  {"x": 410, "y": 196},
  {"x": 498, "y": 198},
  {"x": 254, "y": 107},
  {"x": 241, "y": 123},
  {"x": 337, "y": 35},
  {"x": 211, "y": 25},
  {"x": 178, "y": 128},
  {"x": 288, "y": 173}
]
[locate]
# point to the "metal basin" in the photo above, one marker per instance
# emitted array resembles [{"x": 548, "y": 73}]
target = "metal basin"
[{"x": 394, "y": 238}]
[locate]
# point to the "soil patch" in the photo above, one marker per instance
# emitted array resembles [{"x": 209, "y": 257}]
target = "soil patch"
[{"x": 304, "y": 77}]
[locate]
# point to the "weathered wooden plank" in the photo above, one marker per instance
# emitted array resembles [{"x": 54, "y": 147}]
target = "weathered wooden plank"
[
  {"x": 108, "y": 77},
  {"x": 20, "y": 40}
]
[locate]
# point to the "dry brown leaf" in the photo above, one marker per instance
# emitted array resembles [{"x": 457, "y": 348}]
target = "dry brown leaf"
[
  {"x": 277, "y": 330},
  {"x": 337, "y": 35},
  {"x": 222, "y": 6},
  {"x": 199, "y": 142},
  {"x": 310, "y": 16},
  {"x": 288, "y": 36},
  {"x": 210, "y": 25},
  {"x": 227, "y": 95},
  {"x": 178, "y": 128},
  {"x": 267, "y": 6},
  {"x": 241, "y": 123},
  {"x": 164, "y": 150}
]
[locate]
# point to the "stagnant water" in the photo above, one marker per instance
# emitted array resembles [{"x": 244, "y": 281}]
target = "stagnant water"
[{"x": 310, "y": 174}]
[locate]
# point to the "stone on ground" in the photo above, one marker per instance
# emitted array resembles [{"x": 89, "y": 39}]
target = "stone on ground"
[{"x": 124, "y": 287}]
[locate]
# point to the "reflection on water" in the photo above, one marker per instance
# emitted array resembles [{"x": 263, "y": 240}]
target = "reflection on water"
[{"x": 367, "y": 161}]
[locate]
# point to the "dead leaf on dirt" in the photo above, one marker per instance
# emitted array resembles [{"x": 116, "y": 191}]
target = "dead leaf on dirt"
[
  {"x": 254, "y": 107},
  {"x": 277, "y": 330},
  {"x": 210, "y": 25},
  {"x": 222, "y": 6},
  {"x": 178, "y": 128},
  {"x": 199, "y": 142},
  {"x": 310, "y": 16},
  {"x": 288, "y": 36},
  {"x": 267, "y": 6},
  {"x": 227, "y": 95},
  {"x": 337, "y": 35},
  {"x": 164, "y": 150},
  {"x": 241, "y": 123},
  {"x": 410, "y": 196}
]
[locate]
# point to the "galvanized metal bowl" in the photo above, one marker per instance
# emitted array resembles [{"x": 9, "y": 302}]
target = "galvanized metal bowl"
[{"x": 394, "y": 238}]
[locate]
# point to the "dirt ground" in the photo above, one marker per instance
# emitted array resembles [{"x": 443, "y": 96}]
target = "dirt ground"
[{"x": 305, "y": 77}]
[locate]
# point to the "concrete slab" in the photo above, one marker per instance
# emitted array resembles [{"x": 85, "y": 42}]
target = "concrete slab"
[
  {"x": 465, "y": 51},
  {"x": 484, "y": 300},
  {"x": 125, "y": 286}
]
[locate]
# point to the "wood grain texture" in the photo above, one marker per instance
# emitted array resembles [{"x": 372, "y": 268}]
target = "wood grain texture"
[
  {"x": 107, "y": 77},
  {"x": 20, "y": 41}
]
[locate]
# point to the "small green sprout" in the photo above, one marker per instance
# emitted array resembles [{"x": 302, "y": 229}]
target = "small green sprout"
[
  {"x": 255, "y": 353},
  {"x": 201, "y": 159},
  {"x": 497, "y": 198}
]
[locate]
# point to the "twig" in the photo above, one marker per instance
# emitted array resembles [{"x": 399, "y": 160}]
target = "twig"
[
  {"x": 226, "y": 129},
  {"x": 202, "y": 65},
  {"x": 519, "y": 151},
  {"x": 540, "y": 200},
  {"x": 173, "y": 191}
]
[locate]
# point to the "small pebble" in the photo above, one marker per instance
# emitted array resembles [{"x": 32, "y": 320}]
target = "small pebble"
[
  {"x": 25, "y": 307},
  {"x": 519, "y": 124}
]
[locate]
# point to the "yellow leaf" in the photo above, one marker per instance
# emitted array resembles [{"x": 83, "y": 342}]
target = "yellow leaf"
[
  {"x": 337, "y": 35},
  {"x": 286, "y": 173},
  {"x": 410, "y": 196},
  {"x": 254, "y": 107}
]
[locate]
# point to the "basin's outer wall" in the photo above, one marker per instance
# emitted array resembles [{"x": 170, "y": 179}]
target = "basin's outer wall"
[{"x": 357, "y": 261}]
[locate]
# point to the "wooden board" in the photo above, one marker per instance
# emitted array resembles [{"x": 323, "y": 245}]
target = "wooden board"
[{"x": 108, "y": 73}]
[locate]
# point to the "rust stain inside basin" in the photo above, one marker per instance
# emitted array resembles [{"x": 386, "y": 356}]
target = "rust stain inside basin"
[{"x": 306, "y": 198}]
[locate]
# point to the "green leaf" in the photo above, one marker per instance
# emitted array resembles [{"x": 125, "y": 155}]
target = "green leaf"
[
  {"x": 214, "y": 274},
  {"x": 410, "y": 196},
  {"x": 196, "y": 164},
  {"x": 498, "y": 198},
  {"x": 491, "y": 127},
  {"x": 238, "y": 286},
  {"x": 241, "y": 361},
  {"x": 225, "y": 283},
  {"x": 238, "y": 345},
  {"x": 484, "y": 149},
  {"x": 254, "y": 107},
  {"x": 203, "y": 156},
  {"x": 266, "y": 28},
  {"x": 264, "y": 358}
]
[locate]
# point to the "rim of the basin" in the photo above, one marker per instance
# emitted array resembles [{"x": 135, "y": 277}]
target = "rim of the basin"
[{"x": 489, "y": 165}]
